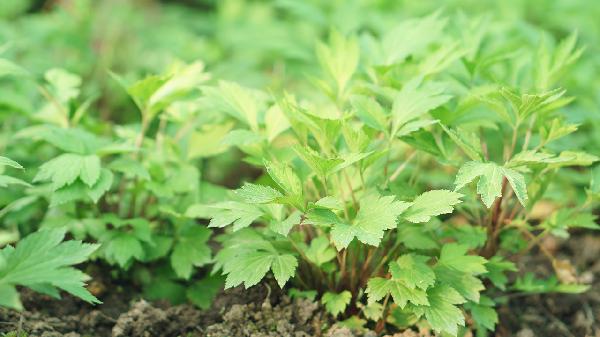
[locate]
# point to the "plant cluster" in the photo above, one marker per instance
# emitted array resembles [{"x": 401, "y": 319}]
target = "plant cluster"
[{"x": 398, "y": 184}]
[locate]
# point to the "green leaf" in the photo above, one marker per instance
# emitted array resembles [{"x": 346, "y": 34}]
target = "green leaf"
[
  {"x": 330, "y": 202},
  {"x": 320, "y": 251},
  {"x": 9, "y": 297},
  {"x": 284, "y": 267},
  {"x": 62, "y": 170},
  {"x": 8, "y": 180},
  {"x": 9, "y": 162},
  {"x": 203, "y": 292},
  {"x": 412, "y": 102},
  {"x": 497, "y": 267},
  {"x": 102, "y": 185},
  {"x": 457, "y": 269},
  {"x": 376, "y": 214},
  {"x": 377, "y": 288},
  {"x": 336, "y": 303},
  {"x": 455, "y": 256},
  {"x": 42, "y": 258},
  {"x": 490, "y": 181},
  {"x": 467, "y": 141},
  {"x": 208, "y": 141},
  {"x": 442, "y": 313},
  {"x": 432, "y": 203},
  {"x": 90, "y": 170},
  {"x": 285, "y": 177},
  {"x": 323, "y": 167},
  {"x": 275, "y": 122},
  {"x": 124, "y": 248},
  {"x": 369, "y": 112},
  {"x": 190, "y": 250},
  {"x": 230, "y": 212},
  {"x": 483, "y": 313},
  {"x": 403, "y": 294},
  {"x": 413, "y": 271},
  {"x": 242, "y": 103},
  {"x": 529, "y": 157},
  {"x": 252, "y": 267},
  {"x": 258, "y": 194},
  {"x": 339, "y": 59}
]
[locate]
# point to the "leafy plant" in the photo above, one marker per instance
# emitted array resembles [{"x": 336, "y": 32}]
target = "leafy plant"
[
  {"x": 394, "y": 171},
  {"x": 345, "y": 206}
]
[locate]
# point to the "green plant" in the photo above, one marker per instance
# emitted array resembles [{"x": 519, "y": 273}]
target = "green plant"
[
  {"x": 43, "y": 263},
  {"x": 346, "y": 206},
  {"x": 124, "y": 187}
]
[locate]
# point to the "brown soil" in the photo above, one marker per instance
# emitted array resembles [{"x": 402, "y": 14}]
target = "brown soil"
[{"x": 260, "y": 312}]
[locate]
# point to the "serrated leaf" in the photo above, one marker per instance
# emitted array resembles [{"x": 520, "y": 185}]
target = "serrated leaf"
[
  {"x": 336, "y": 303},
  {"x": 442, "y": 313},
  {"x": 412, "y": 102},
  {"x": 252, "y": 267},
  {"x": 467, "y": 141},
  {"x": 483, "y": 313},
  {"x": 517, "y": 183},
  {"x": 102, "y": 185},
  {"x": 376, "y": 215},
  {"x": 190, "y": 250},
  {"x": 377, "y": 288},
  {"x": 489, "y": 186},
  {"x": 62, "y": 170},
  {"x": 230, "y": 212},
  {"x": 455, "y": 256},
  {"x": 124, "y": 248},
  {"x": 258, "y": 194},
  {"x": 330, "y": 202},
  {"x": 430, "y": 204},
  {"x": 285, "y": 177},
  {"x": 497, "y": 268},
  {"x": 42, "y": 258},
  {"x": 413, "y": 271},
  {"x": 339, "y": 58},
  {"x": 284, "y": 267},
  {"x": 90, "y": 170}
]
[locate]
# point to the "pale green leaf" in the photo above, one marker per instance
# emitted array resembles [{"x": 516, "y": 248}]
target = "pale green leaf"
[
  {"x": 336, "y": 303},
  {"x": 430, "y": 204}
]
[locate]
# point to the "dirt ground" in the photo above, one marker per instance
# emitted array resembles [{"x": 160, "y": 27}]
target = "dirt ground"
[{"x": 259, "y": 312}]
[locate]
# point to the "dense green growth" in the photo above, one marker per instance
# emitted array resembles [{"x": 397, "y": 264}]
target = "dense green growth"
[{"x": 395, "y": 170}]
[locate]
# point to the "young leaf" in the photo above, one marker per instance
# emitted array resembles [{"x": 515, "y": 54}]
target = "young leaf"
[
  {"x": 336, "y": 303},
  {"x": 376, "y": 214},
  {"x": 432, "y": 203},
  {"x": 285, "y": 177},
  {"x": 490, "y": 181},
  {"x": 190, "y": 250},
  {"x": 413, "y": 270},
  {"x": 258, "y": 194},
  {"x": 240, "y": 214},
  {"x": 442, "y": 313}
]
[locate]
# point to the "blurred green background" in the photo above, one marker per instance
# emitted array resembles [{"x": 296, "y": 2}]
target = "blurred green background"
[{"x": 265, "y": 43}]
